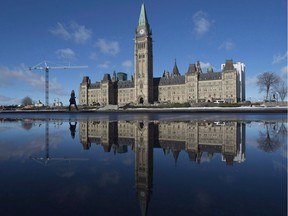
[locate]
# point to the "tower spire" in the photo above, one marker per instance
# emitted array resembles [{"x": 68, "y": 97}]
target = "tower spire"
[
  {"x": 143, "y": 60},
  {"x": 143, "y": 21},
  {"x": 175, "y": 71}
]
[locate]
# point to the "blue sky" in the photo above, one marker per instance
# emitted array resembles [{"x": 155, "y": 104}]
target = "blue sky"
[{"x": 100, "y": 34}]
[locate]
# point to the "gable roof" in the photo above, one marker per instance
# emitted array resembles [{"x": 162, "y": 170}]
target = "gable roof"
[
  {"x": 125, "y": 84},
  {"x": 95, "y": 85},
  {"x": 210, "y": 76},
  {"x": 228, "y": 65},
  {"x": 162, "y": 81},
  {"x": 191, "y": 69}
]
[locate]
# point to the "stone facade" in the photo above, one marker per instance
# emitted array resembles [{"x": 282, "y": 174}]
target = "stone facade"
[
  {"x": 194, "y": 138},
  {"x": 193, "y": 87}
]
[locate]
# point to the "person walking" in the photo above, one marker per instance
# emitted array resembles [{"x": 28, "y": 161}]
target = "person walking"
[{"x": 72, "y": 100}]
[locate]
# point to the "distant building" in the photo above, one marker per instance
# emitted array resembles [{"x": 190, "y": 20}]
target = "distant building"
[
  {"x": 194, "y": 86},
  {"x": 121, "y": 76},
  {"x": 240, "y": 68},
  {"x": 39, "y": 104},
  {"x": 57, "y": 103}
]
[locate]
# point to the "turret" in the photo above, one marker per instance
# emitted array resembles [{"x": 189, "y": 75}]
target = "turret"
[
  {"x": 192, "y": 69},
  {"x": 85, "y": 80},
  {"x": 166, "y": 74},
  {"x": 228, "y": 67},
  {"x": 210, "y": 69},
  {"x": 83, "y": 91},
  {"x": 114, "y": 77},
  {"x": 106, "y": 78},
  {"x": 175, "y": 71}
]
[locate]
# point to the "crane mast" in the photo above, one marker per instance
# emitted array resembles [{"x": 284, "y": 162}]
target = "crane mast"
[
  {"x": 44, "y": 160},
  {"x": 46, "y": 68}
]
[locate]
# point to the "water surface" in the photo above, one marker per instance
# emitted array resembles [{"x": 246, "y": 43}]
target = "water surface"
[{"x": 136, "y": 164}]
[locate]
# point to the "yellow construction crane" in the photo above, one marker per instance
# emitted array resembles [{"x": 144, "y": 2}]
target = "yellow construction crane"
[{"x": 44, "y": 66}]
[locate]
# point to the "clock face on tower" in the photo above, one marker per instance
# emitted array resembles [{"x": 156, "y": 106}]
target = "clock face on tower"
[{"x": 142, "y": 31}]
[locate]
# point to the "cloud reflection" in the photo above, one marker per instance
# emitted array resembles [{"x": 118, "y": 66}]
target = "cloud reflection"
[
  {"x": 23, "y": 149},
  {"x": 109, "y": 178}
]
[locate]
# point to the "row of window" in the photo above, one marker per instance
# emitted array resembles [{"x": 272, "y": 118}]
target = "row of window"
[
  {"x": 125, "y": 95},
  {"x": 140, "y": 56},
  {"x": 141, "y": 45},
  {"x": 125, "y": 100},
  {"x": 173, "y": 93},
  {"x": 230, "y": 76},
  {"x": 171, "y": 87},
  {"x": 211, "y": 89},
  {"x": 172, "y": 99},
  {"x": 203, "y": 84}
]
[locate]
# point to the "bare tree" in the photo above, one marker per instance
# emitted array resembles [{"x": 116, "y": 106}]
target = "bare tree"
[
  {"x": 281, "y": 89},
  {"x": 26, "y": 101},
  {"x": 267, "y": 80},
  {"x": 267, "y": 141},
  {"x": 27, "y": 124}
]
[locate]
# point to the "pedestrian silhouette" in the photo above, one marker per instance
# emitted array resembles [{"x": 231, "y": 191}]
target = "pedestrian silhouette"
[
  {"x": 72, "y": 129},
  {"x": 72, "y": 100}
]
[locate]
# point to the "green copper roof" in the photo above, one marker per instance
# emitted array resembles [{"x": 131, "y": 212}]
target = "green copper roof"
[
  {"x": 143, "y": 21},
  {"x": 210, "y": 69}
]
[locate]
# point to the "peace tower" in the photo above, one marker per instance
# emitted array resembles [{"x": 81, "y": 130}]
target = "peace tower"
[{"x": 143, "y": 61}]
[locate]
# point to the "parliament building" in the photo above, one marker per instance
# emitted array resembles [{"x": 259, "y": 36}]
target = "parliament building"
[{"x": 193, "y": 87}]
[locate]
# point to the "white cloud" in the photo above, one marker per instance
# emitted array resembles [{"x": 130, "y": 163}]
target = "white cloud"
[
  {"x": 108, "y": 47},
  {"x": 105, "y": 65},
  {"x": 127, "y": 65},
  {"x": 278, "y": 58},
  {"x": 202, "y": 24},
  {"x": 65, "y": 53},
  {"x": 204, "y": 65},
  {"x": 73, "y": 31},
  {"x": 61, "y": 31},
  {"x": 227, "y": 45},
  {"x": 24, "y": 76},
  {"x": 80, "y": 33},
  {"x": 93, "y": 56},
  {"x": 4, "y": 99},
  {"x": 56, "y": 87}
]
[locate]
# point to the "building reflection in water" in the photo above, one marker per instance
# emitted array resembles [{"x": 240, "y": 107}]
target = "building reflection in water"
[{"x": 194, "y": 138}]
